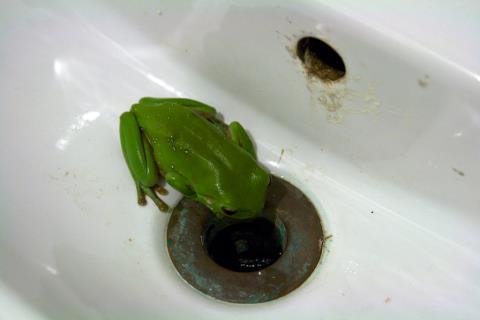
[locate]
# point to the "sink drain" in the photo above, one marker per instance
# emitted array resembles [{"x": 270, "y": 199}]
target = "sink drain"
[
  {"x": 320, "y": 59},
  {"x": 249, "y": 261}
]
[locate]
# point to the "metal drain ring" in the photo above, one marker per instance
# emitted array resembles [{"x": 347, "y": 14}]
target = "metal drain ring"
[{"x": 299, "y": 259}]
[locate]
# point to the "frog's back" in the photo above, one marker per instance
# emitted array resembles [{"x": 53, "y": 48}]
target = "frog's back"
[{"x": 188, "y": 144}]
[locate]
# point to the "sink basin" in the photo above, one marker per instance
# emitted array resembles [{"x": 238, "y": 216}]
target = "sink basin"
[{"x": 388, "y": 154}]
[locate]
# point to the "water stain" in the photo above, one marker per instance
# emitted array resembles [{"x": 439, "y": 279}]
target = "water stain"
[{"x": 338, "y": 99}]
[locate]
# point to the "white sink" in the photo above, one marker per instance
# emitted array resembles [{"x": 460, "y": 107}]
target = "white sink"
[{"x": 390, "y": 155}]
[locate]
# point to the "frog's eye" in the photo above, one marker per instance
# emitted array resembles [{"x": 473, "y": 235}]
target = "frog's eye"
[{"x": 228, "y": 212}]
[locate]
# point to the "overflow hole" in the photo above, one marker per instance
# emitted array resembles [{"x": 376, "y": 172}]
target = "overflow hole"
[
  {"x": 320, "y": 59},
  {"x": 246, "y": 246}
]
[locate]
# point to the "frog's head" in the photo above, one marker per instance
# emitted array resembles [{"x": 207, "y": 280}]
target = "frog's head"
[{"x": 242, "y": 197}]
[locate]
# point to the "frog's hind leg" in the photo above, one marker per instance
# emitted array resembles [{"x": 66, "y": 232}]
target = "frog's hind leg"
[
  {"x": 140, "y": 160},
  {"x": 151, "y": 183},
  {"x": 240, "y": 137}
]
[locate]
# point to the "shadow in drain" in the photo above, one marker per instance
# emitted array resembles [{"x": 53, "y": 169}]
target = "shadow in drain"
[
  {"x": 247, "y": 261},
  {"x": 245, "y": 246}
]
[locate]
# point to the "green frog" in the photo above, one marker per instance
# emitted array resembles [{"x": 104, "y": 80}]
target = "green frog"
[{"x": 199, "y": 155}]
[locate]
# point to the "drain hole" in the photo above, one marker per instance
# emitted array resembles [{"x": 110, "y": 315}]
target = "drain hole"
[
  {"x": 246, "y": 246},
  {"x": 217, "y": 256},
  {"x": 320, "y": 60}
]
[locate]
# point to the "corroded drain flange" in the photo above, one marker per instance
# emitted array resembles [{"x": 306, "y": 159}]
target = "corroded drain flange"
[{"x": 302, "y": 249}]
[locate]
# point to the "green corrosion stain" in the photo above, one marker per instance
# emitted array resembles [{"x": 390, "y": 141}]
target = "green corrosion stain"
[
  {"x": 182, "y": 221},
  {"x": 306, "y": 267},
  {"x": 183, "y": 212}
]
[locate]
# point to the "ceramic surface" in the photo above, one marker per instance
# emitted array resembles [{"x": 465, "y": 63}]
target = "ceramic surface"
[{"x": 389, "y": 155}]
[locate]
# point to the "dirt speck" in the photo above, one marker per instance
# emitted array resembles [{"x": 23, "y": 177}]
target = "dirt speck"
[
  {"x": 130, "y": 240},
  {"x": 423, "y": 82},
  {"x": 387, "y": 300},
  {"x": 459, "y": 172},
  {"x": 372, "y": 211}
]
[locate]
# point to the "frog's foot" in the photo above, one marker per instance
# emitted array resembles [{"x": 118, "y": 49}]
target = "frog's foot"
[
  {"x": 150, "y": 192},
  {"x": 140, "y": 195}
]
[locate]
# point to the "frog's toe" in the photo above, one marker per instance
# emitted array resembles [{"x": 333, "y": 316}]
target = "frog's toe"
[
  {"x": 160, "y": 190},
  {"x": 141, "y": 200},
  {"x": 162, "y": 206}
]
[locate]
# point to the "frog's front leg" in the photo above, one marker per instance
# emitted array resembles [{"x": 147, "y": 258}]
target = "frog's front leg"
[
  {"x": 240, "y": 137},
  {"x": 141, "y": 163}
]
